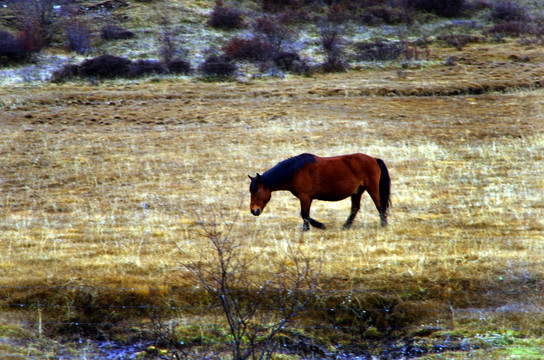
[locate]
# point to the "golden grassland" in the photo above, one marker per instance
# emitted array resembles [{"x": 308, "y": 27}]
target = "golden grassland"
[{"x": 107, "y": 187}]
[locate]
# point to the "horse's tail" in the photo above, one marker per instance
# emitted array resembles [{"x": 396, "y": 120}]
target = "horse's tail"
[{"x": 385, "y": 186}]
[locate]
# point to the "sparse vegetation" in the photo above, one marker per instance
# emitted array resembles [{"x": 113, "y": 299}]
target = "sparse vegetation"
[
  {"x": 37, "y": 23},
  {"x": 333, "y": 47},
  {"x": 78, "y": 37},
  {"x": 12, "y": 49},
  {"x": 221, "y": 67},
  {"x": 379, "y": 50},
  {"x": 102, "y": 181},
  {"x": 115, "y": 32},
  {"x": 509, "y": 11},
  {"x": 113, "y": 67},
  {"x": 225, "y": 18},
  {"x": 254, "y": 49},
  {"x": 449, "y": 9}
]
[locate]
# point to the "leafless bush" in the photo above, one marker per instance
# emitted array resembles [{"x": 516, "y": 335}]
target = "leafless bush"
[
  {"x": 272, "y": 29},
  {"x": 219, "y": 66},
  {"x": 459, "y": 41},
  {"x": 277, "y": 5},
  {"x": 377, "y": 15},
  {"x": 12, "y": 49},
  {"x": 256, "y": 302},
  {"x": 110, "y": 67},
  {"x": 179, "y": 66},
  {"x": 115, "y": 32},
  {"x": 379, "y": 50},
  {"x": 105, "y": 67},
  {"x": 38, "y": 23},
  {"x": 449, "y": 8},
  {"x": 169, "y": 45},
  {"x": 78, "y": 36},
  {"x": 225, "y": 18},
  {"x": 141, "y": 68},
  {"x": 291, "y": 62},
  {"x": 509, "y": 11},
  {"x": 67, "y": 72},
  {"x": 332, "y": 44},
  {"x": 511, "y": 28},
  {"x": 252, "y": 49}
]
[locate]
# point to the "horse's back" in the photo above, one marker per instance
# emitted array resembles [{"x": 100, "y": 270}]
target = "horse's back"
[{"x": 335, "y": 178}]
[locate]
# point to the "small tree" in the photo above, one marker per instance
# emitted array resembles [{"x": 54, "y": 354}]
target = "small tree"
[
  {"x": 275, "y": 33},
  {"x": 444, "y": 8},
  {"x": 222, "y": 67},
  {"x": 256, "y": 310},
  {"x": 225, "y": 18},
  {"x": 168, "y": 47},
  {"x": 12, "y": 49},
  {"x": 37, "y": 22},
  {"x": 332, "y": 41},
  {"x": 78, "y": 36}
]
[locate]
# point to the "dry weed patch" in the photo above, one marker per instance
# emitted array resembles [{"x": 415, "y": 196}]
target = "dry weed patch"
[{"x": 102, "y": 186}]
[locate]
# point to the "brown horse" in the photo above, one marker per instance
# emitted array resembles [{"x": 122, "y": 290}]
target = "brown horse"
[{"x": 310, "y": 177}]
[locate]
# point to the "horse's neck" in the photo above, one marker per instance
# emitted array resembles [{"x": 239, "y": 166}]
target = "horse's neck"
[
  {"x": 280, "y": 187},
  {"x": 274, "y": 185}
]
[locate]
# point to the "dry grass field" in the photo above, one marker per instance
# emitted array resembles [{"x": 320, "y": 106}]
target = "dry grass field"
[{"x": 106, "y": 189}]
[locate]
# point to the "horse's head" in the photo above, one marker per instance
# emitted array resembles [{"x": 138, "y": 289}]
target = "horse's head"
[{"x": 260, "y": 195}]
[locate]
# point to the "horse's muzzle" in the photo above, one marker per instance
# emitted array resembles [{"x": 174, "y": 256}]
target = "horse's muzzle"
[{"x": 256, "y": 212}]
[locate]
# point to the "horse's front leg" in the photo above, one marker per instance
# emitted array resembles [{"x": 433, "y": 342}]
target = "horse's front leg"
[
  {"x": 355, "y": 206},
  {"x": 305, "y": 214}
]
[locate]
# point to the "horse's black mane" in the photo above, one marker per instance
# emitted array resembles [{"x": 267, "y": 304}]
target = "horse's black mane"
[{"x": 283, "y": 172}]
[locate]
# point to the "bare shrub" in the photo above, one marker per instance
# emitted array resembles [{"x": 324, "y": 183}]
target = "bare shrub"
[
  {"x": 179, "y": 66},
  {"x": 339, "y": 13},
  {"x": 67, "y": 72},
  {"x": 509, "y": 11},
  {"x": 444, "y": 8},
  {"x": 141, "y": 68},
  {"x": 78, "y": 37},
  {"x": 275, "y": 33},
  {"x": 221, "y": 66},
  {"x": 291, "y": 62},
  {"x": 38, "y": 23},
  {"x": 12, "y": 49},
  {"x": 225, "y": 18},
  {"x": 377, "y": 15},
  {"x": 253, "y": 49},
  {"x": 105, "y": 67},
  {"x": 115, "y": 32},
  {"x": 109, "y": 66},
  {"x": 257, "y": 302},
  {"x": 332, "y": 44},
  {"x": 511, "y": 28},
  {"x": 459, "y": 41},
  {"x": 277, "y": 5},
  {"x": 169, "y": 46},
  {"x": 379, "y": 50}
]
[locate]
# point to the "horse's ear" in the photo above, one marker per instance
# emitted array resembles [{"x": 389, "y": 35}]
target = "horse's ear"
[{"x": 257, "y": 178}]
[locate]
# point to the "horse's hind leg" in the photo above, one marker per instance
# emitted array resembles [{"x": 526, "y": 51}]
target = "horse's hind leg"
[
  {"x": 355, "y": 206},
  {"x": 305, "y": 214},
  {"x": 375, "y": 195}
]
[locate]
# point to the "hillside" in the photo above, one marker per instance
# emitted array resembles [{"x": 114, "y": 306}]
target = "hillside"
[{"x": 262, "y": 40}]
